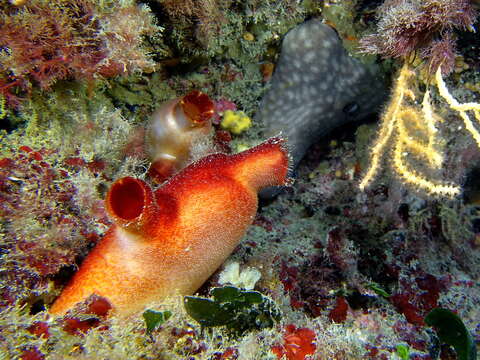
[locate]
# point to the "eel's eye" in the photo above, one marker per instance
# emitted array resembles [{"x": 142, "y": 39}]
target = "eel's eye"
[{"x": 351, "y": 109}]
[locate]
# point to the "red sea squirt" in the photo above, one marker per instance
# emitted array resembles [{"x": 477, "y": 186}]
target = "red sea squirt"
[{"x": 169, "y": 241}]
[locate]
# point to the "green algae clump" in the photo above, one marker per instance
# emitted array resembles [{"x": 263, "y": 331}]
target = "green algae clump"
[{"x": 238, "y": 310}]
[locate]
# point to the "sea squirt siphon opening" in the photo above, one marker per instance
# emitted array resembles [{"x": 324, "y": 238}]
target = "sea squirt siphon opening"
[{"x": 126, "y": 199}]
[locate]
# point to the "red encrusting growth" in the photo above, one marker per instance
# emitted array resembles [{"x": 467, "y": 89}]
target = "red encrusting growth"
[
  {"x": 39, "y": 329},
  {"x": 32, "y": 353},
  {"x": 339, "y": 313},
  {"x": 298, "y": 343},
  {"x": 170, "y": 241}
]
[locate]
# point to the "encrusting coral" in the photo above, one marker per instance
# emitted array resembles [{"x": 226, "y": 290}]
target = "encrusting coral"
[
  {"x": 171, "y": 240},
  {"x": 411, "y": 132}
]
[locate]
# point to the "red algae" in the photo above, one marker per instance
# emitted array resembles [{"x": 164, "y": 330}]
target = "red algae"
[
  {"x": 62, "y": 233},
  {"x": 32, "y": 354},
  {"x": 39, "y": 329},
  {"x": 48, "y": 41},
  {"x": 298, "y": 343},
  {"x": 339, "y": 313},
  {"x": 425, "y": 27}
]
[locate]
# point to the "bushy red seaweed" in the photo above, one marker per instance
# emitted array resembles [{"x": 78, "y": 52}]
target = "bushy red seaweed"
[
  {"x": 229, "y": 354},
  {"x": 86, "y": 316},
  {"x": 42, "y": 224},
  {"x": 46, "y": 41},
  {"x": 423, "y": 26},
  {"x": 414, "y": 301},
  {"x": 32, "y": 353}
]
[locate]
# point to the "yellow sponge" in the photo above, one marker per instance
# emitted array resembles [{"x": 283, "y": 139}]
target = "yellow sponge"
[{"x": 235, "y": 121}]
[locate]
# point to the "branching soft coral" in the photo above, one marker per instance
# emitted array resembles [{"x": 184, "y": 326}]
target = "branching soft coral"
[
  {"x": 410, "y": 131},
  {"x": 45, "y": 41},
  {"x": 425, "y": 26}
]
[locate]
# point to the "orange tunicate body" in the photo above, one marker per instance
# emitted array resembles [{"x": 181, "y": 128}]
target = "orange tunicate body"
[
  {"x": 173, "y": 129},
  {"x": 170, "y": 241}
]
